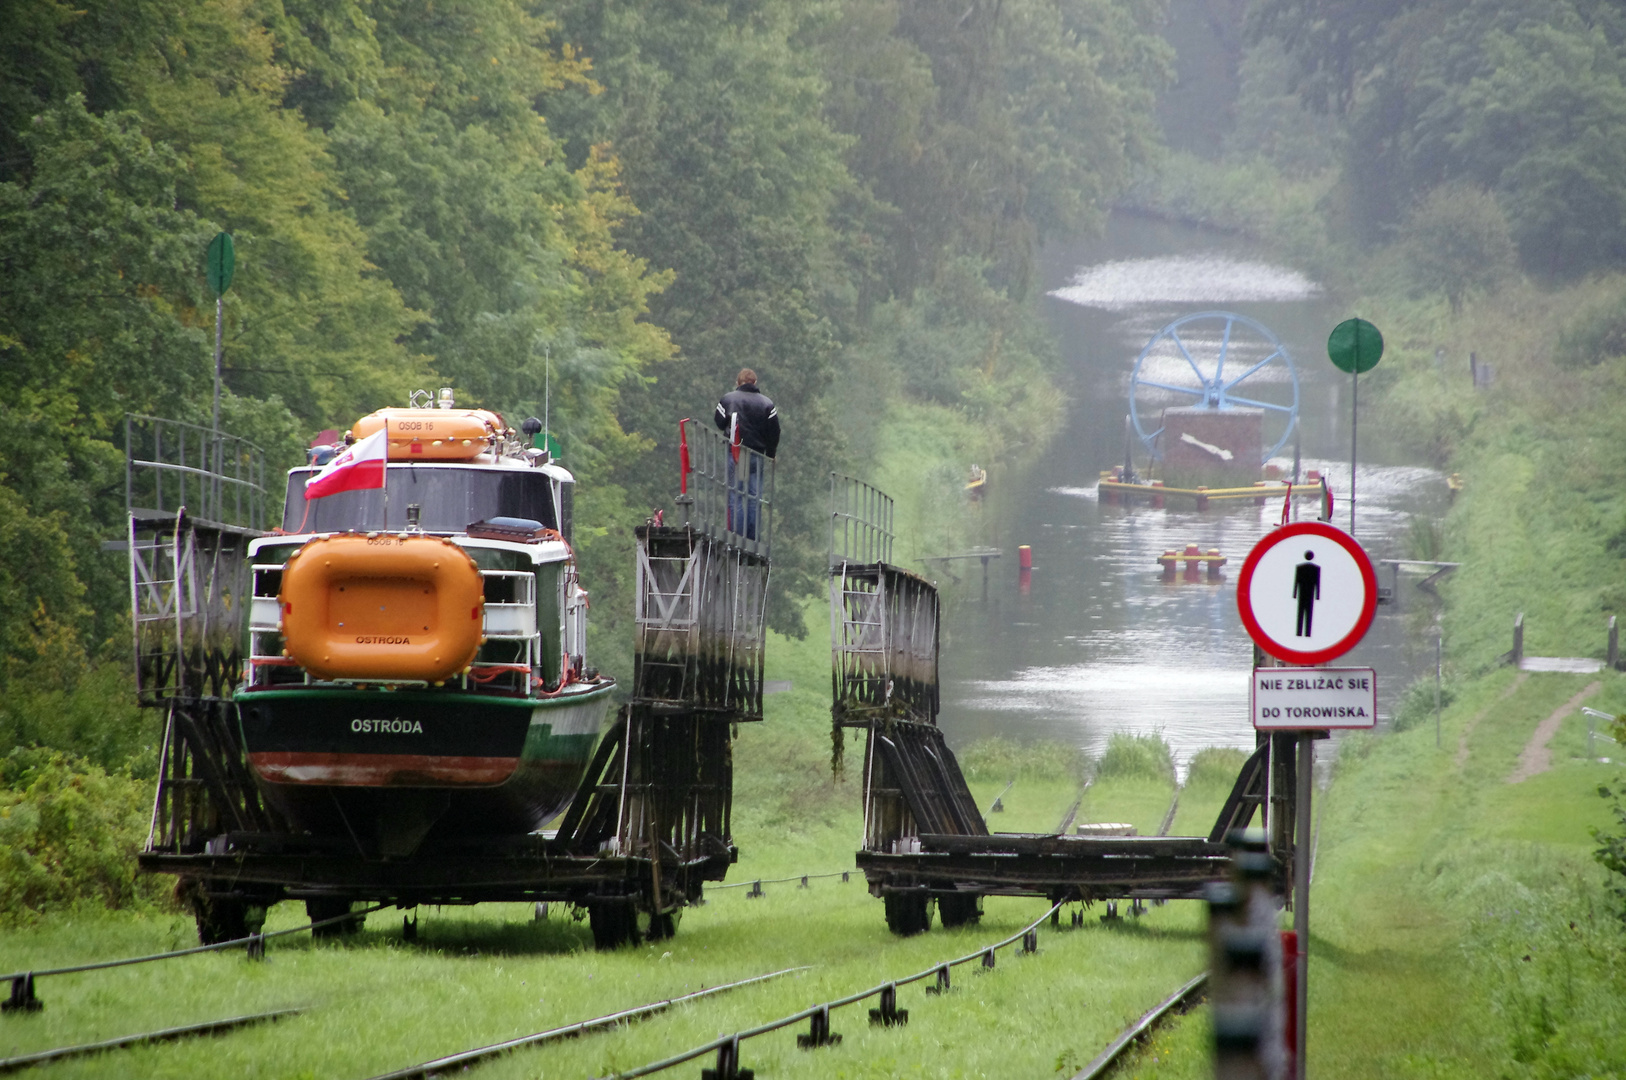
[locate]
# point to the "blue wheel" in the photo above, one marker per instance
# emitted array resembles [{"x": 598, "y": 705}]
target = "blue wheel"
[{"x": 1217, "y": 359}]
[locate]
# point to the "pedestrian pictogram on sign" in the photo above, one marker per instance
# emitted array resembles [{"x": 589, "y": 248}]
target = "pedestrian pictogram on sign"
[{"x": 1307, "y": 593}]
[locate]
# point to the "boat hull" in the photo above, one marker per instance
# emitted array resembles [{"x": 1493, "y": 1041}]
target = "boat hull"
[{"x": 383, "y": 768}]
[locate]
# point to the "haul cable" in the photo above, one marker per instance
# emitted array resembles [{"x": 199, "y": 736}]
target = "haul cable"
[
  {"x": 1105, "y": 1060},
  {"x": 728, "y": 1045},
  {"x": 757, "y": 883},
  {"x": 12, "y": 1064},
  {"x": 22, "y": 982},
  {"x": 468, "y": 1057}
]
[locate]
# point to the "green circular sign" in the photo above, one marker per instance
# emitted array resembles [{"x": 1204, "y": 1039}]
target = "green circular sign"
[
  {"x": 221, "y": 262},
  {"x": 1355, "y": 346}
]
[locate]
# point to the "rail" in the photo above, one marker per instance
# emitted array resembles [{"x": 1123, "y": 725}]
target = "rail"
[
  {"x": 170, "y": 465},
  {"x": 22, "y": 982},
  {"x": 727, "y": 490},
  {"x": 860, "y": 522},
  {"x": 1139, "y": 1029},
  {"x": 727, "y": 1046},
  {"x": 469, "y": 1057},
  {"x": 209, "y": 1027}
]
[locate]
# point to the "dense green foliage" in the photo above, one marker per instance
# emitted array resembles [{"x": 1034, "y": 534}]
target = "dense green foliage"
[
  {"x": 1526, "y": 100},
  {"x": 608, "y": 207}
]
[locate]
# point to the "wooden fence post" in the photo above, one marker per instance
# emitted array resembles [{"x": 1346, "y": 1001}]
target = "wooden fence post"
[
  {"x": 1614, "y": 645},
  {"x": 1518, "y": 640}
]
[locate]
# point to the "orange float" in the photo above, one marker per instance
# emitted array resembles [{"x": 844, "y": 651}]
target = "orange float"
[
  {"x": 433, "y": 434},
  {"x": 382, "y": 607}
]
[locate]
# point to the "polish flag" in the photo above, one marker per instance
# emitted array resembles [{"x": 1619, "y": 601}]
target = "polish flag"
[{"x": 355, "y": 468}]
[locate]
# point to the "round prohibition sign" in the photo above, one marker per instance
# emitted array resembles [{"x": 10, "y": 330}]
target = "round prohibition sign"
[{"x": 1307, "y": 593}]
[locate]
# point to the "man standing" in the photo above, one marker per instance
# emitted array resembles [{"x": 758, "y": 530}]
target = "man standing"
[
  {"x": 1306, "y": 590},
  {"x": 750, "y": 419}
]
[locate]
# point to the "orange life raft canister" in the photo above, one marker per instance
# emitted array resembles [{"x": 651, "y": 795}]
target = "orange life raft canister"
[
  {"x": 382, "y": 607},
  {"x": 433, "y": 434}
]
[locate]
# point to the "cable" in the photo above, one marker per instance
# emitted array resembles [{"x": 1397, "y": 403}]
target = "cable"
[
  {"x": 469, "y": 1056},
  {"x": 29, "y": 976},
  {"x": 985, "y": 954},
  {"x": 842, "y": 874}
]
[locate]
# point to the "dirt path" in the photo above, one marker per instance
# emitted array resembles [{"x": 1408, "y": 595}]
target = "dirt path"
[
  {"x": 1536, "y": 757},
  {"x": 1468, "y": 728}
]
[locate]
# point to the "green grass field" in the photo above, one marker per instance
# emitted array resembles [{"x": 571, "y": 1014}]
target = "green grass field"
[
  {"x": 1457, "y": 922},
  {"x": 376, "y": 1002}
]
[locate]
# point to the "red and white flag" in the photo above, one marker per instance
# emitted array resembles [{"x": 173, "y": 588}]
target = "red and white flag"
[{"x": 355, "y": 468}]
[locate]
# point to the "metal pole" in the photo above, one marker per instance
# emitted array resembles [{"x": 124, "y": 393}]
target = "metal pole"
[
  {"x": 1438, "y": 666},
  {"x": 220, "y": 312},
  {"x": 1301, "y": 895},
  {"x": 1354, "y": 415}
]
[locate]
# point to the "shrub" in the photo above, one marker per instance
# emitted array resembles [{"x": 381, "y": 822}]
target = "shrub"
[
  {"x": 1000, "y": 760},
  {"x": 69, "y": 833},
  {"x": 1136, "y": 756},
  {"x": 1416, "y": 705},
  {"x": 1215, "y": 766}
]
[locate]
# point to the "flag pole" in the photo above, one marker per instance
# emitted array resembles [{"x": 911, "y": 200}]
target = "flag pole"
[{"x": 386, "y": 475}]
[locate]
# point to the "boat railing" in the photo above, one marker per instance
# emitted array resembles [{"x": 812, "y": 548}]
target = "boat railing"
[{"x": 728, "y": 489}]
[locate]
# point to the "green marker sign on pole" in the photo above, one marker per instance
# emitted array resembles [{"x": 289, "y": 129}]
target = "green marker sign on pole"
[
  {"x": 1354, "y": 346},
  {"x": 222, "y": 262},
  {"x": 218, "y": 266}
]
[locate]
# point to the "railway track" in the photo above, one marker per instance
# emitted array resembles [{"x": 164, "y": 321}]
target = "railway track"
[
  {"x": 24, "y": 998},
  {"x": 122, "y": 1042},
  {"x": 727, "y": 1047},
  {"x": 1174, "y": 1005},
  {"x": 464, "y": 1059}
]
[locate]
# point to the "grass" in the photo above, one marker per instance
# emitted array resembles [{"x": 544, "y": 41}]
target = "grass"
[
  {"x": 1457, "y": 923},
  {"x": 478, "y": 975}
]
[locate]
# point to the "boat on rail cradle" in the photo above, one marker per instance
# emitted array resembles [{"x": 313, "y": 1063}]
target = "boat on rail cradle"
[{"x": 417, "y": 649}]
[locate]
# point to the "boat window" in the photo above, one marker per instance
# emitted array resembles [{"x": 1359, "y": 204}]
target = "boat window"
[{"x": 451, "y": 498}]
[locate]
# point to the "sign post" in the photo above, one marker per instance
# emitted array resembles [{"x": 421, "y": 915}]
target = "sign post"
[
  {"x": 1307, "y": 595},
  {"x": 220, "y": 265},
  {"x": 1354, "y": 346}
]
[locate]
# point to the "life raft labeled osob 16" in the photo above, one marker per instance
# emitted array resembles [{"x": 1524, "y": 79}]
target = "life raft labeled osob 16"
[
  {"x": 383, "y": 607},
  {"x": 433, "y": 434}
]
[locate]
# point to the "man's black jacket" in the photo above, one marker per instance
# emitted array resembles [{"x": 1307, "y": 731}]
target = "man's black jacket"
[{"x": 759, "y": 419}]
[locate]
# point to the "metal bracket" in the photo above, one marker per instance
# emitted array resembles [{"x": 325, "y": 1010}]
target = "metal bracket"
[
  {"x": 756, "y": 890},
  {"x": 22, "y": 997},
  {"x": 889, "y": 1015},
  {"x": 942, "y": 984},
  {"x": 728, "y": 1064},
  {"x": 818, "y": 1033}
]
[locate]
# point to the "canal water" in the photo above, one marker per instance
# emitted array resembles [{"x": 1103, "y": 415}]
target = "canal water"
[{"x": 1099, "y": 642}]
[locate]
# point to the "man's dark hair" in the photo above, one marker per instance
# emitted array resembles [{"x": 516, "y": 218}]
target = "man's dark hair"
[{"x": 746, "y": 375}]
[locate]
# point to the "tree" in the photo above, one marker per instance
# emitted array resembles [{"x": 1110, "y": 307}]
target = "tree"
[{"x": 1456, "y": 241}]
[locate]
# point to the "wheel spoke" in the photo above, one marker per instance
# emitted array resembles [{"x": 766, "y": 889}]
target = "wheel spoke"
[
  {"x": 1184, "y": 352},
  {"x": 1259, "y": 404},
  {"x": 1225, "y": 344},
  {"x": 1253, "y": 369},
  {"x": 1196, "y": 390}
]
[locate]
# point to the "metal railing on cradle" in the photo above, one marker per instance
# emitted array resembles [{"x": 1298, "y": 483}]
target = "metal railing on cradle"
[
  {"x": 860, "y": 522},
  {"x": 729, "y": 488},
  {"x": 170, "y": 465},
  {"x": 22, "y": 982},
  {"x": 888, "y": 1014}
]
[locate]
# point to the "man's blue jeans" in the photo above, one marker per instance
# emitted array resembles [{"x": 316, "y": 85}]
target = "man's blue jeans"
[{"x": 745, "y": 497}]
